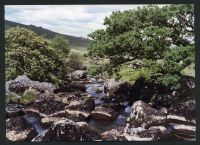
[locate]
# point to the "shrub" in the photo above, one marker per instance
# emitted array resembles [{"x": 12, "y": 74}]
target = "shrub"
[
  {"x": 61, "y": 46},
  {"x": 97, "y": 69},
  {"x": 12, "y": 98},
  {"x": 75, "y": 60},
  {"x": 28, "y": 97},
  {"x": 29, "y": 54}
]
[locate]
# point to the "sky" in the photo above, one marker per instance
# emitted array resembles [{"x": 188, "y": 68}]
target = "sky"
[{"x": 75, "y": 20}]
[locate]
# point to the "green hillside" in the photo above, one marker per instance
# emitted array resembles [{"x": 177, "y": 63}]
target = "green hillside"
[{"x": 75, "y": 42}]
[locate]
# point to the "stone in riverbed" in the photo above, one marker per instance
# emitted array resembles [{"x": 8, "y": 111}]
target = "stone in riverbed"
[
  {"x": 102, "y": 113},
  {"x": 13, "y": 110},
  {"x": 49, "y": 120},
  {"x": 184, "y": 132},
  {"x": 143, "y": 115},
  {"x": 154, "y": 133},
  {"x": 81, "y": 108},
  {"x": 49, "y": 106},
  {"x": 22, "y": 83},
  {"x": 64, "y": 130},
  {"x": 110, "y": 135},
  {"x": 186, "y": 109},
  {"x": 79, "y": 74},
  {"x": 71, "y": 87},
  {"x": 18, "y": 129}
]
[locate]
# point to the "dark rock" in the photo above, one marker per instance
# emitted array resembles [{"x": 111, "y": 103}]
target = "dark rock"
[
  {"x": 12, "y": 110},
  {"x": 18, "y": 129},
  {"x": 81, "y": 108},
  {"x": 117, "y": 92},
  {"x": 86, "y": 129},
  {"x": 72, "y": 87},
  {"x": 186, "y": 109},
  {"x": 102, "y": 113},
  {"x": 49, "y": 106},
  {"x": 64, "y": 130},
  {"x": 22, "y": 83},
  {"x": 163, "y": 100}
]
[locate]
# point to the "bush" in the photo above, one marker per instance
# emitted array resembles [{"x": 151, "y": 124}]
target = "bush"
[
  {"x": 61, "y": 46},
  {"x": 12, "y": 98},
  {"x": 97, "y": 69},
  {"x": 75, "y": 61},
  {"x": 28, "y": 97},
  {"x": 29, "y": 54}
]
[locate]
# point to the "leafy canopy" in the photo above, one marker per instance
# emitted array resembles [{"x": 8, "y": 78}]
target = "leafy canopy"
[
  {"x": 30, "y": 54},
  {"x": 162, "y": 38}
]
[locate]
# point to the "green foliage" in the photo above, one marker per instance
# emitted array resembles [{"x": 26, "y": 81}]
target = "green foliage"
[
  {"x": 28, "y": 97},
  {"x": 61, "y": 46},
  {"x": 148, "y": 34},
  {"x": 97, "y": 69},
  {"x": 30, "y": 54},
  {"x": 75, "y": 60},
  {"x": 12, "y": 98},
  {"x": 130, "y": 74}
]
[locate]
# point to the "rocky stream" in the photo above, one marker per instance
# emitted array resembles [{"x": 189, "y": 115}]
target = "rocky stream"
[{"x": 93, "y": 109}]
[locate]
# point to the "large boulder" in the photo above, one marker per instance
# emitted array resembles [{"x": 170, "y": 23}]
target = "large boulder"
[
  {"x": 18, "y": 129},
  {"x": 143, "y": 115},
  {"x": 106, "y": 114},
  {"x": 154, "y": 133},
  {"x": 186, "y": 109},
  {"x": 79, "y": 74},
  {"x": 22, "y": 83},
  {"x": 64, "y": 130}
]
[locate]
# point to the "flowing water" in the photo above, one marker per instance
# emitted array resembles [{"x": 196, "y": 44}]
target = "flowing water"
[
  {"x": 102, "y": 126},
  {"x": 35, "y": 121}
]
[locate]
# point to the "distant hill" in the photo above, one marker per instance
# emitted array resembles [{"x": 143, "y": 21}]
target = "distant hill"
[{"x": 74, "y": 41}]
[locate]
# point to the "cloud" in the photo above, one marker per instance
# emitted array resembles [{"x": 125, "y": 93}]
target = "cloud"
[{"x": 75, "y": 20}]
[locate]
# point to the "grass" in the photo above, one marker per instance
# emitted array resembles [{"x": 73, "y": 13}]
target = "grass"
[
  {"x": 28, "y": 97},
  {"x": 131, "y": 75},
  {"x": 12, "y": 98}
]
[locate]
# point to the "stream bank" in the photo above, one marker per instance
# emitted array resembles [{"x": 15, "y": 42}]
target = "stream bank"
[{"x": 92, "y": 115}]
